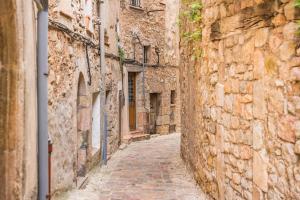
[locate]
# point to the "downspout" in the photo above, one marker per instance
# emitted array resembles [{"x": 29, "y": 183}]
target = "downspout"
[
  {"x": 146, "y": 129},
  {"x": 102, "y": 86},
  {"x": 42, "y": 98}
]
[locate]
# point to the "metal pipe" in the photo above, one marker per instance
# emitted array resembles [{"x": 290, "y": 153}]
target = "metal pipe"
[
  {"x": 104, "y": 147},
  {"x": 88, "y": 64},
  {"x": 50, "y": 149},
  {"x": 103, "y": 84},
  {"x": 144, "y": 94},
  {"x": 42, "y": 83}
]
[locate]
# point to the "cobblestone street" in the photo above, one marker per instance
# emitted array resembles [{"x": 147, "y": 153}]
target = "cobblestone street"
[{"x": 146, "y": 170}]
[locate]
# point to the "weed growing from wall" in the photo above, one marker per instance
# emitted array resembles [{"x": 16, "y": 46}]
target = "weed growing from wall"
[
  {"x": 121, "y": 54},
  {"x": 190, "y": 25}
]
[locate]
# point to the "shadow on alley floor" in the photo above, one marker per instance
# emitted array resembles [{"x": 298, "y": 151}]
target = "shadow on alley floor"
[{"x": 145, "y": 170}]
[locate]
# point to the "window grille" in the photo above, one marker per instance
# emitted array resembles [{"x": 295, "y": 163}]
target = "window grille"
[
  {"x": 146, "y": 53},
  {"x": 136, "y": 3}
]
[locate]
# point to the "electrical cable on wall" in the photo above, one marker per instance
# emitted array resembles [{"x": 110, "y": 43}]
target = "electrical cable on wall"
[
  {"x": 88, "y": 64},
  {"x": 72, "y": 34}
]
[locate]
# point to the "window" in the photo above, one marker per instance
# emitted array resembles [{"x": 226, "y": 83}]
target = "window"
[
  {"x": 88, "y": 12},
  {"x": 98, "y": 8},
  {"x": 65, "y": 8},
  {"x": 146, "y": 53},
  {"x": 136, "y": 3},
  {"x": 173, "y": 97}
]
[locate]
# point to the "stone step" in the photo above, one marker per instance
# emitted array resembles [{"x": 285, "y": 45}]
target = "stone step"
[
  {"x": 136, "y": 132},
  {"x": 136, "y": 137}
]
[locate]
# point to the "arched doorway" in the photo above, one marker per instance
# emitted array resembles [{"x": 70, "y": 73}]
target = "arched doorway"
[{"x": 83, "y": 127}]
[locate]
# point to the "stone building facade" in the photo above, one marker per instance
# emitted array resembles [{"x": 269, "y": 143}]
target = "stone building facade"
[
  {"x": 18, "y": 100},
  {"x": 240, "y": 101},
  {"x": 148, "y": 33},
  {"x": 76, "y": 87}
]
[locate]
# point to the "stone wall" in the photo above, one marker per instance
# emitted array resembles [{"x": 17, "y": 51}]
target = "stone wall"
[
  {"x": 18, "y": 108},
  {"x": 240, "y": 100},
  {"x": 70, "y": 110},
  {"x": 147, "y": 26}
]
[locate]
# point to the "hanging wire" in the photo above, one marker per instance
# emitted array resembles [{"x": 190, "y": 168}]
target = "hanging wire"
[{"x": 72, "y": 34}]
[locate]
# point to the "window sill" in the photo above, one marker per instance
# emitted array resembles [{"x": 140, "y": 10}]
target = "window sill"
[
  {"x": 67, "y": 15},
  {"x": 136, "y": 8}
]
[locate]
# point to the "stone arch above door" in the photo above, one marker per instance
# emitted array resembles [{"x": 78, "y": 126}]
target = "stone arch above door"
[{"x": 83, "y": 126}]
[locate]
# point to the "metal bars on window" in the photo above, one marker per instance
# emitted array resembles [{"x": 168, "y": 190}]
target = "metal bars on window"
[{"x": 136, "y": 3}]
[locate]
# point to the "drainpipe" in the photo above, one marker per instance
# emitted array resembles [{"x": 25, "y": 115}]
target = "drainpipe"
[
  {"x": 42, "y": 98},
  {"x": 103, "y": 88}
]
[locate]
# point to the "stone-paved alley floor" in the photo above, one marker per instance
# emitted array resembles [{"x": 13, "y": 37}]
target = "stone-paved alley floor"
[{"x": 145, "y": 170}]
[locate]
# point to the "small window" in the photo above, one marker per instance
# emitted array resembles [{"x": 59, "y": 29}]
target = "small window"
[
  {"x": 173, "y": 97},
  {"x": 146, "y": 54},
  {"x": 136, "y": 3},
  {"x": 65, "y": 8},
  {"x": 98, "y": 8},
  {"x": 88, "y": 12}
]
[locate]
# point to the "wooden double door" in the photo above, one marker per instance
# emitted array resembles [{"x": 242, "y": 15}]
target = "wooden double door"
[{"x": 132, "y": 100}]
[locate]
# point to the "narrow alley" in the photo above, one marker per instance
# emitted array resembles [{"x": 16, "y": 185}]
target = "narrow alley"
[
  {"x": 150, "y": 99},
  {"x": 145, "y": 170}
]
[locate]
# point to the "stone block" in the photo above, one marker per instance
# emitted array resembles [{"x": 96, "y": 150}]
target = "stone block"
[
  {"x": 287, "y": 50},
  {"x": 275, "y": 41},
  {"x": 230, "y": 23},
  {"x": 228, "y": 103},
  {"x": 258, "y": 135},
  {"x": 297, "y": 147},
  {"x": 237, "y": 105},
  {"x": 246, "y": 98},
  {"x": 276, "y": 101},
  {"x": 290, "y": 11},
  {"x": 220, "y": 95},
  {"x": 259, "y": 64},
  {"x": 295, "y": 73},
  {"x": 240, "y": 68},
  {"x": 259, "y": 103},
  {"x": 279, "y": 20},
  {"x": 260, "y": 173},
  {"x": 286, "y": 129},
  {"x": 235, "y": 123},
  {"x": 261, "y": 37},
  {"x": 247, "y": 52},
  {"x": 257, "y": 194},
  {"x": 290, "y": 31},
  {"x": 246, "y": 152},
  {"x": 235, "y": 85},
  {"x": 236, "y": 178},
  {"x": 247, "y": 111}
]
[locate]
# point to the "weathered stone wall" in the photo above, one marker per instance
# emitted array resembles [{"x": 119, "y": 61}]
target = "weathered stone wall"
[
  {"x": 110, "y": 22},
  {"x": 18, "y": 113},
  {"x": 67, "y": 61},
  {"x": 240, "y": 101},
  {"x": 147, "y": 26}
]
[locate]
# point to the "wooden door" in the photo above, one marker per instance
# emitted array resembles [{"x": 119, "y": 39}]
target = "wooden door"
[
  {"x": 155, "y": 106},
  {"x": 132, "y": 100},
  {"x": 153, "y": 113}
]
